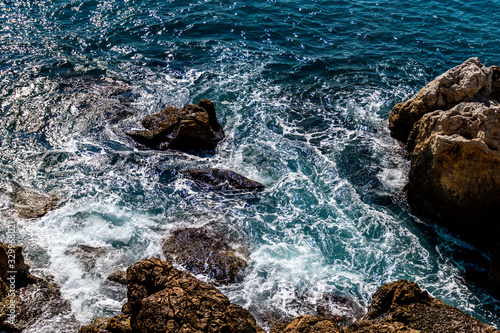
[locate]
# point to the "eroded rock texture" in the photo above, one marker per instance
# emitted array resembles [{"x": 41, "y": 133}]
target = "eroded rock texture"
[{"x": 191, "y": 128}]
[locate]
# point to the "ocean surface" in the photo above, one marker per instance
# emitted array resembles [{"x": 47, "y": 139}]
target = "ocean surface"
[{"x": 303, "y": 90}]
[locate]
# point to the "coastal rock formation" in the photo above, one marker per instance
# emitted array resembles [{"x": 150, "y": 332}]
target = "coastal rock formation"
[
  {"x": 466, "y": 82},
  {"x": 119, "y": 277},
  {"x": 451, "y": 129},
  {"x": 220, "y": 179},
  {"x": 27, "y": 297},
  {"x": 201, "y": 251},
  {"x": 25, "y": 203},
  {"x": 191, "y": 128},
  {"x": 164, "y": 299}
]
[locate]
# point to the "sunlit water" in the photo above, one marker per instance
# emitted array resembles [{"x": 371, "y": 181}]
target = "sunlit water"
[{"x": 303, "y": 91}]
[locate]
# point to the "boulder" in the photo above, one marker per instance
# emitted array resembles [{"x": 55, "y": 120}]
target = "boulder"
[
  {"x": 191, "y": 128},
  {"x": 119, "y": 277},
  {"x": 206, "y": 252},
  {"x": 164, "y": 299},
  {"x": 466, "y": 82},
  {"x": 220, "y": 179}
]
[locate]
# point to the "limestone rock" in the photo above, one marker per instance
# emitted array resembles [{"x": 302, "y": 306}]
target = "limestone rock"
[
  {"x": 205, "y": 252},
  {"x": 221, "y": 179},
  {"x": 192, "y": 128},
  {"x": 462, "y": 83}
]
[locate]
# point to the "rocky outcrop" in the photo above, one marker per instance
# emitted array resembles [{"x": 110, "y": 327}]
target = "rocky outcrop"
[
  {"x": 466, "y": 82},
  {"x": 451, "y": 129},
  {"x": 206, "y": 252},
  {"x": 119, "y": 277},
  {"x": 192, "y": 128},
  {"x": 220, "y": 179},
  {"x": 25, "y": 298},
  {"x": 164, "y": 299},
  {"x": 25, "y": 203}
]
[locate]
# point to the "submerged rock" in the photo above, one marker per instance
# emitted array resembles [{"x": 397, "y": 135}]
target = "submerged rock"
[
  {"x": 220, "y": 179},
  {"x": 164, "y": 299},
  {"x": 191, "y": 128},
  {"x": 201, "y": 251},
  {"x": 25, "y": 296},
  {"x": 25, "y": 203}
]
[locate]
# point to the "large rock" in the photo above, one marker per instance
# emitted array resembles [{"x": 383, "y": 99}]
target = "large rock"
[
  {"x": 191, "y": 128},
  {"x": 220, "y": 179},
  {"x": 201, "y": 251},
  {"x": 455, "y": 168},
  {"x": 466, "y": 82},
  {"x": 162, "y": 299},
  {"x": 307, "y": 324}
]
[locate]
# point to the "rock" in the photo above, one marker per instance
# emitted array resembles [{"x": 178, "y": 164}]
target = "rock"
[
  {"x": 33, "y": 298},
  {"x": 119, "y": 277},
  {"x": 201, "y": 251},
  {"x": 340, "y": 309},
  {"x": 307, "y": 324},
  {"x": 219, "y": 179},
  {"x": 402, "y": 306},
  {"x": 466, "y": 82},
  {"x": 455, "y": 169},
  {"x": 87, "y": 255},
  {"x": 192, "y": 128},
  {"x": 25, "y": 203}
]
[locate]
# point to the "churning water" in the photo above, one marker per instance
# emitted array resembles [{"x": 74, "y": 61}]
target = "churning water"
[{"x": 303, "y": 90}]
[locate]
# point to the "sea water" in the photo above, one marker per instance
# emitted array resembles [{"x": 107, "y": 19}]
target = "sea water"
[{"x": 303, "y": 90}]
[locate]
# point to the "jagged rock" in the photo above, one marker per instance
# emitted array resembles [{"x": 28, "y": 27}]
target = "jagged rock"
[
  {"x": 192, "y": 128},
  {"x": 402, "y": 306},
  {"x": 201, "y": 251},
  {"x": 119, "y": 277},
  {"x": 307, "y": 324},
  {"x": 162, "y": 299},
  {"x": 463, "y": 83},
  {"x": 33, "y": 297},
  {"x": 220, "y": 179},
  {"x": 455, "y": 168},
  {"x": 25, "y": 203},
  {"x": 340, "y": 309},
  {"x": 87, "y": 255}
]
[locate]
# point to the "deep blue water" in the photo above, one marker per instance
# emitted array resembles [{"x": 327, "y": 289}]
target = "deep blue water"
[{"x": 303, "y": 90}]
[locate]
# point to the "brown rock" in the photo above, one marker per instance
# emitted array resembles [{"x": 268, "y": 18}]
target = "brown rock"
[
  {"x": 206, "y": 252},
  {"x": 192, "y": 128},
  {"x": 119, "y": 277},
  {"x": 164, "y": 299},
  {"x": 455, "y": 168},
  {"x": 460, "y": 84},
  {"x": 221, "y": 179},
  {"x": 307, "y": 324}
]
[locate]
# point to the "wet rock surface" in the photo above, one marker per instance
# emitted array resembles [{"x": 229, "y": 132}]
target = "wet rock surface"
[
  {"x": 309, "y": 324},
  {"x": 206, "y": 252},
  {"x": 193, "y": 128},
  {"x": 25, "y": 203},
  {"x": 220, "y": 179},
  {"x": 34, "y": 298},
  {"x": 164, "y": 299}
]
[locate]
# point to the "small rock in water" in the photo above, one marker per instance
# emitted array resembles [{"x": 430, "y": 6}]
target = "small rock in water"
[
  {"x": 119, "y": 277},
  {"x": 193, "y": 128},
  {"x": 201, "y": 251},
  {"x": 220, "y": 179}
]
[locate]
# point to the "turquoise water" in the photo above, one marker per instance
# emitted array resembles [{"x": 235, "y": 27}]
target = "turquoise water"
[{"x": 303, "y": 91}]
